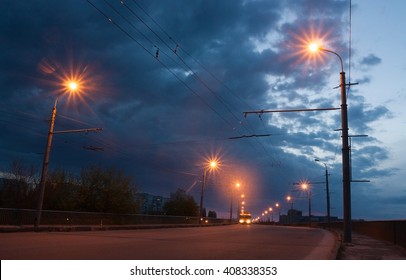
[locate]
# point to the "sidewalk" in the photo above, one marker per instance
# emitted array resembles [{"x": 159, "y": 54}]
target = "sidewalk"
[{"x": 367, "y": 248}]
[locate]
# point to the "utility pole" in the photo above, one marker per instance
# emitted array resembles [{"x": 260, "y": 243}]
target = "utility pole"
[
  {"x": 309, "y": 194},
  {"x": 327, "y": 192},
  {"x": 328, "y": 199},
  {"x": 345, "y": 158},
  {"x": 201, "y": 196},
  {"x": 45, "y": 167},
  {"x": 45, "y": 163}
]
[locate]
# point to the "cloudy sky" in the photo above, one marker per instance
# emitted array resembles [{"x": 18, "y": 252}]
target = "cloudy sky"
[{"x": 168, "y": 81}]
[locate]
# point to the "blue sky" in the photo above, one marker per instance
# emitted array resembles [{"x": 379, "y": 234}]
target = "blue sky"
[{"x": 168, "y": 81}]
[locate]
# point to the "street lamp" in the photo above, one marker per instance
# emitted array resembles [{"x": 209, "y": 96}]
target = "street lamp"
[
  {"x": 279, "y": 211},
  {"x": 212, "y": 164},
  {"x": 240, "y": 208},
  {"x": 290, "y": 200},
  {"x": 271, "y": 211},
  {"x": 345, "y": 147},
  {"x": 327, "y": 193},
  {"x": 70, "y": 87},
  {"x": 289, "y": 212},
  {"x": 307, "y": 188},
  {"x": 237, "y": 186}
]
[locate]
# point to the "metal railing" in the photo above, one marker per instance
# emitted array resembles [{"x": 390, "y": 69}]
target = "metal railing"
[{"x": 26, "y": 217}]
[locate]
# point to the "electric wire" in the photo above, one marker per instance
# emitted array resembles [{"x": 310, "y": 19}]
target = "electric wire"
[
  {"x": 248, "y": 127},
  {"x": 162, "y": 64},
  {"x": 195, "y": 75}
]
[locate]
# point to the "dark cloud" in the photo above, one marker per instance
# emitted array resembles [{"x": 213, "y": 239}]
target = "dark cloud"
[{"x": 169, "y": 87}]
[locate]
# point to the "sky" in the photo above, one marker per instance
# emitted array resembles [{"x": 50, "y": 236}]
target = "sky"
[{"x": 169, "y": 82}]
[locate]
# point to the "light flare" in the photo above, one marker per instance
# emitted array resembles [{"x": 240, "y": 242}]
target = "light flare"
[
  {"x": 306, "y": 43},
  {"x": 72, "y": 81}
]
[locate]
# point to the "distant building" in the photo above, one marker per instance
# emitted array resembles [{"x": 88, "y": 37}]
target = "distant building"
[
  {"x": 150, "y": 204},
  {"x": 295, "y": 217}
]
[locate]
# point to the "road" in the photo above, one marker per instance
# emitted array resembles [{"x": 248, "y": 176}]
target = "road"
[{"x": 236, "y": 242}]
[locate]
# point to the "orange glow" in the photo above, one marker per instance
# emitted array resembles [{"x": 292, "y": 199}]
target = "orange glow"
[
  {"x": 213, "y": 164},
  {"x": 73, "y": 86},
  {"x": 73, "y": 81},
  {"x": 306, "y": 44},
  {"x": 314, "y": 47}
]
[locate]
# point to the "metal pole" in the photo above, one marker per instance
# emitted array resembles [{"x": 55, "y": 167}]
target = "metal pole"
[
  {"x": 346, "y": 162},
  {"x": 201, "y": 196},
  {"x": 310, "y": 208},
  {"x": 328, "y": 199},
  {"x": 45, "y": 168},
  {"x": 345, "y": 154},
  {"x": 231, "y": 205}
]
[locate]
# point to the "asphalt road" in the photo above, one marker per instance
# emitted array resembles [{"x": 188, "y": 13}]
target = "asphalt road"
[{"x": 236, "y": 242}]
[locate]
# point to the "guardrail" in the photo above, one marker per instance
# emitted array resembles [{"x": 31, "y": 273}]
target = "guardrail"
[
  {"x": 392, "y": 231},
  {"x": 26, "y": 217}
]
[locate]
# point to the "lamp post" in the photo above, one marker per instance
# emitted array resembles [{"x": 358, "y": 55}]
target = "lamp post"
[
  {"x": 71, "y": 87},
  {"x": 290, "y": 200},
  {"x": 327, "y": 193},
  {"x": 289, "y": 212},
  {"x": 345, "y": 147},
  {"x": 306, "y": 188},
  {"x": 279, "y": 211},
  {"x": 212, "y": 165},
  {"x": 45, "y": 167},
  {"x": 271, "y": 212},
  {"x": 239, "y": 207},
  {"x": 237, "y": 185}
]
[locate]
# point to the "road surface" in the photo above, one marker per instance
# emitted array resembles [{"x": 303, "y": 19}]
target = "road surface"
[{"x": 235, "y": 242}]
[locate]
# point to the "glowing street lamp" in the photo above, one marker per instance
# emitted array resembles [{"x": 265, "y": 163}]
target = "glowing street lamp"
[
  {"x": 279, "y": 211},
  {"x": 237, "y": 186},
  {"x": 290, "y": 200},
  {"x": 345, "y": 147},
  {"x": 212, "y": 164},
  {"x": 71, "y": 87},
  {"x": 327, "y": 193},
  {"x": 306, "y": 187},
  {"x": 271, "y": 212}
]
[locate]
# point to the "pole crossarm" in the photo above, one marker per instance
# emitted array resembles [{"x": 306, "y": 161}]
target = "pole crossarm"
[
  {"x": 78, "y": 130},
  {"x": 360, "y": 181},
  {"x": 248, "y": 136},
  {"x": 289, "y": 110}
]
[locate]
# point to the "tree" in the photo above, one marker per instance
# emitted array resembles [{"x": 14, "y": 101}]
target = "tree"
[
  {"x": 181, "y": 204},
  {"x": 106, "y": 190},
  {"x": 17, "y": 190},
  {"x": 61, "y": 191},
  {"x": 212, "y": 214}
]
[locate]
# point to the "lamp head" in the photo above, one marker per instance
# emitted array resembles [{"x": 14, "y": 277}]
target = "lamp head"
[{"x": 314, "y": 47}]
